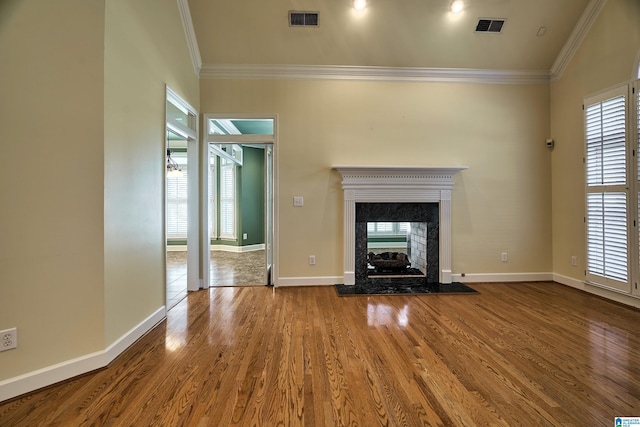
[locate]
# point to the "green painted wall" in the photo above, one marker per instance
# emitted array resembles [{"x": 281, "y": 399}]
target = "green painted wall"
[{"x": 252, "y": 196}]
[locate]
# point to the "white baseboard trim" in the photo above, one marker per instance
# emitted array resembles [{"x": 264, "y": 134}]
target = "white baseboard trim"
[
  {"x": 44, "y": 377},
  {"x": 308, "y": 281},
  {"x": 125, "y": 341},
  {"x": 612, "y": 295},
  {"x": 176, "y": 248},
  {"x": 502, "y": 277},
  {"x": 31, "y": 381},
  {"x": 469, "y": 278},
  {"x": 238, "y": 249},
  {"x": 569, "y": 281}
]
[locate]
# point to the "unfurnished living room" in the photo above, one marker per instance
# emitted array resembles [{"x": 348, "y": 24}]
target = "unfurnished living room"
[{"x": 320, "y": 213}]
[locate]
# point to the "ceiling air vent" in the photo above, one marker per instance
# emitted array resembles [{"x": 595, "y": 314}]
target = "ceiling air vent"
[
  {"x": 303, "y": 19},
  {"x": 489, "y": 25}
]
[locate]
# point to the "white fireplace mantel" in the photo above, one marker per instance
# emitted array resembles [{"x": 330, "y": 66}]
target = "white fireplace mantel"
[{"x": 397, "y": 184}]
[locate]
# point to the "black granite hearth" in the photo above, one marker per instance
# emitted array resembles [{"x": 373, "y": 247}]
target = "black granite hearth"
[{"x": 404, "y": 289}]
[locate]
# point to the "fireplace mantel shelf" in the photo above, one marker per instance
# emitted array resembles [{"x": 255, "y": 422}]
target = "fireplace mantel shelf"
[
  {"x": 399, "y": 170},
  {"x": 397, "y": 184},
  {"x": 436, "y": 177}
]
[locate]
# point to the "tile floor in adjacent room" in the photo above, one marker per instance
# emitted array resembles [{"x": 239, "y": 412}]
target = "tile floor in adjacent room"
[
  {"x": 176, "y": 277},
  {"x": 238, "y": 269},
  {"x": 227, "y": 269}
]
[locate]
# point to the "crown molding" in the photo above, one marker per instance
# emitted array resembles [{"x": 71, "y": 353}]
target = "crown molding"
[
  {"x": 365, "y": 73},
  {"x": 190, "y": 33},
  {"x": 393, "y": 74},
  {"x": 576, "y": 38}
]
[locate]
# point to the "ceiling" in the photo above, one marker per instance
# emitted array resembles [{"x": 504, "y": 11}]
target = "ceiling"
[{"x": 388, "y": 33}]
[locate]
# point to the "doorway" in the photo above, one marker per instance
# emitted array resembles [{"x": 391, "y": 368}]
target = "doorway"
[
  {"x": 181, "y": 199},
  {"x": 240, "y": 200}
]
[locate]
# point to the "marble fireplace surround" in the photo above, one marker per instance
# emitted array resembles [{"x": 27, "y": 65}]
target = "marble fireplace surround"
[{"x": 397, "y": 184}]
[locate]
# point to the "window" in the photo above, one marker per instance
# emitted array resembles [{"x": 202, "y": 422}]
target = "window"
[
  {"x": 227, "y": 199},
  {"x": 609, "y": 208},
  {"x": 177, "y": 200},
  {"x": 388, "y": 228}
]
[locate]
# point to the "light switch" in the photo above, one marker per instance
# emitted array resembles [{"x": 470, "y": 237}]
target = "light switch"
[{"x": 298, "y": 201}]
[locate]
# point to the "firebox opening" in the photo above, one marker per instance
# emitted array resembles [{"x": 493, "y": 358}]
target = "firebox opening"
[
  {"x": 407, "y": 220},
  {"x": 396, "y": 249}
]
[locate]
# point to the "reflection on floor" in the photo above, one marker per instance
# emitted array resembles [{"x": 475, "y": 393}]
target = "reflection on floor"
[
  {"x": 238, "y": 269},
  {"x": 176, "y": 277}
]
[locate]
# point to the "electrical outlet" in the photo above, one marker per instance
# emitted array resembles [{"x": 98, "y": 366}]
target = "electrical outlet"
[
  {"x": 312, "y": 260},
  {"x": 574, "y": 261},
  {"x": 298, "y": 201},
  {"x": 9, "y": 339},
  {"x": 505, "y": 257},
  {"x": 244, "y": 236}
]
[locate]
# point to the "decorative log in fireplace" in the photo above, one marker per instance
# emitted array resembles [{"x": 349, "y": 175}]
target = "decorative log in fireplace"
[{"x": 388, "y": 261}]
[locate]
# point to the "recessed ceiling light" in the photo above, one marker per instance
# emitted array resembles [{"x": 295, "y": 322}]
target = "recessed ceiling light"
[
  {"x": 541, "y": 31},
  {"x": 359, "y": 4},
  {"x": 457, "y": 6}
]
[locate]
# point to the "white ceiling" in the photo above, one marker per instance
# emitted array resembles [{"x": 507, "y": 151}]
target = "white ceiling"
[{"x": 389, "y": 33}]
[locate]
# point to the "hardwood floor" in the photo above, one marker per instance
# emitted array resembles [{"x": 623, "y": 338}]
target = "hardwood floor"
[{"x": 532, "y": 354}]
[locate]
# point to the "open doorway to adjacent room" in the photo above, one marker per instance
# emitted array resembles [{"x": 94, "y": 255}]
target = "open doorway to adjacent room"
[
  {"x": 240, "y": 177},
  {"x": 181, "y": 196}
]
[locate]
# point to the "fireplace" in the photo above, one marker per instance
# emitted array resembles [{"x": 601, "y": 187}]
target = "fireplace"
[
  {"x": 419, "y": 195},
  {"x": 423, "y": 254}
]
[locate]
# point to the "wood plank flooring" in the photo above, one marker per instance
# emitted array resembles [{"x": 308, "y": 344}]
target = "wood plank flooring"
[{"x": 529, "y": 354}]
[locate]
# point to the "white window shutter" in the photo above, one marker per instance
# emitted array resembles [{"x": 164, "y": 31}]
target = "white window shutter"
[
  {"x": 227, "y": 199},
  {"x": 177, "y": 205},
  {"x": 607, "y": 193},
  {"x": 606, "y": 142},
  {"x": 388, "y": 228}
]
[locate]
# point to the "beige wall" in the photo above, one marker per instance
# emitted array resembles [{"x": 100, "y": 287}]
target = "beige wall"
[
  {"x": 606, "y": 58},
  {"x": 500, "y": 204},
  {"x": 51, "y": 180},
  {"x": 145, "y": 47},
  {"x": 82, "y": 100}
]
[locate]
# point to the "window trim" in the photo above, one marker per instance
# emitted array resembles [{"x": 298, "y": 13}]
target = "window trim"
[{"x": 628, "y": 188}]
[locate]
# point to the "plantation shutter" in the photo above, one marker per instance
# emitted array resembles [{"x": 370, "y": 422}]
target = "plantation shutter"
[
  {"x": 177, "y": 206},
  {"x": 388, "y": 228},
  {"x": 384, "y": 227},
  {"x": 606, "y": 176},
  {"x": 213, "y": 214},
  {"x": 227, "y": 199}
]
